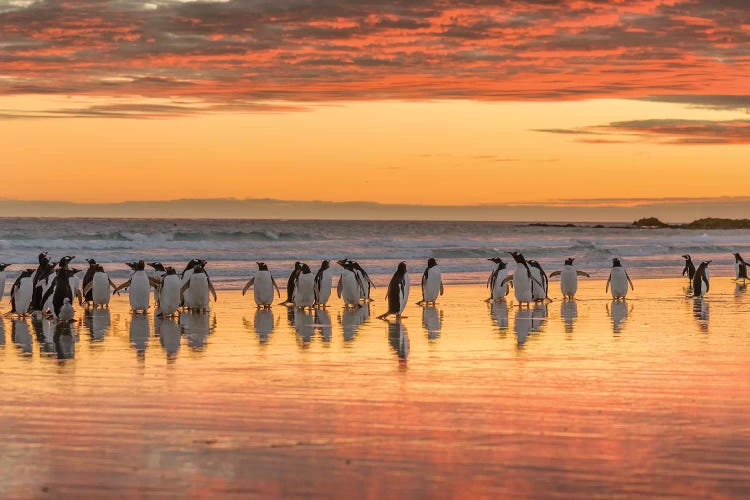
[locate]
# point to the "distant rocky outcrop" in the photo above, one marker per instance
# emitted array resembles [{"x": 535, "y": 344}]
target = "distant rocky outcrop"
[
  {"x": 650, "y": 222},
  {"x": 706, "y": 223}
]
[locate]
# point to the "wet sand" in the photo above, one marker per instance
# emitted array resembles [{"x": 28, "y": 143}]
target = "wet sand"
[{"x": 591, "y": 398}]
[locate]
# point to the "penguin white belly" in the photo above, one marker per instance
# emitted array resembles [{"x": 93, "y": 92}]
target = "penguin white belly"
[
  {"x": 185, "y": 278},
  {"x": 304, "y": 292},
  {"x": 349, "y": 288},
  {"x": 198, "y": 298},
  {"x": 618, "y": 283},
  {"x": 263, "y": 288},
  {"x": 22, "y": 296},
  {"x": 169, "y": 297},
  {"x": 47, "y": 284},
  {"x": 139, "y": 292},
  {"x": 325, "y": 287},
  {"x": 2, "y": 284},
  {"x": 522, "y": 284},
  {"x": 75, "y": 284},
  {"x": 537, "y": 292},
  {"x": 100, "y": 289},
  {"x": 499, "y": 291},
  {"x": 568, "y": 281},
  {"x": 432, "y": 284},
  {"x": 404, "y": 297},
  {"x": 67, "y": 313}
]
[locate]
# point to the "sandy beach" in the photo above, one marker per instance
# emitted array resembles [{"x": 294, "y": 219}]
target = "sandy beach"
[{"x": 592, "y": 398}]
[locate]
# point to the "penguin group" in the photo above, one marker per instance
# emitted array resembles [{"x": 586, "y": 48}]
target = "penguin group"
[{"x": 53, "y": 287}]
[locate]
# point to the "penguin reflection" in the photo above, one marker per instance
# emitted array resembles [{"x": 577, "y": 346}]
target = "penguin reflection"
[
  {"x": 197, "y": 326},
  {"x": 618, "y": 312},
  {"x": 140, "y": 332},
  {"x": 304, "y": 324},
  {"x": 538, "y": 316},
  {"x": 323, "y": 323},
  {"x": 98, "y": 321},
  {"x": 739, "y": 289},
  {"x": 432, "y": 321},
  {"x": 263, "y": 324},
  {"x": 351, "y": 319},
  {"x": 65, "y": 341},
  {"x": 398, "y": 338},
  {"x": 21, "y": 335},
  {"x": 700, "y": 312},
  {"x": 569, "y": 314},
  {"x": 522, "y": 323},
  {"x": 2, "y": 332},
  {"x": 170, "y": 334},
  {"x": 499, "y": 311},
  {"x": 44, "y": 331}
]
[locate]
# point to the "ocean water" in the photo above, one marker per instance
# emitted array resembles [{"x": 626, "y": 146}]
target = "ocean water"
[{"x": 233, "y": 246}]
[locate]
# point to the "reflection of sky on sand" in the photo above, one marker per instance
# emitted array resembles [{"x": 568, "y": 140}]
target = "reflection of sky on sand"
[{"x": 207, "y": 408}]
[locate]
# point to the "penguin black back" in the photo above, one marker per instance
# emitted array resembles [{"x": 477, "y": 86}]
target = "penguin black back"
[
  {"x": 689, "y": 268},
  {"x": 88, "y": 277},
  {"x": 700, "y": 279},
  {"x": 395, "y": 289}
]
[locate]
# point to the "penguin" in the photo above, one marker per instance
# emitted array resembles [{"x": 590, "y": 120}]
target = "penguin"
[
  {"x": 432, "y": 283},
  {"x": 367, "y": 284},
  {"x": 67, "y": 313},
  {"x": 540, "y": 284},
  {"x": 169, "y": 293},
  {"x": 569, "y": 278},
  {"x": 700, "y": 279},
  {"x": 398, "y": 292},
  {"x": 264, "y": 285},
  {"x": 61, "y": 288},
  {"x": 159, "y": 272},
  {"x": 304, "y": 288},
  {"x": 21, "y": 292},
  {"x": 41, "y": 281},
  {"x": 618, "y": 279},
  {"x": 350, "y": 286},
  {"x": 87, "y": 279},
  {"x": 522, "y": 280},
  {"x": 98, "y": 288},
  {"x": 185, "y": 277},
  {"x": 290, "y": 284},
  {"x": 496, "y": 282},
  {"x": 322, "y": 287},
  {"x": 740, "y": 268},
  {"x": 138, "y": 286},
  {"x": 199, "y": 285},
  {"x": 75, "y": 285},
  {"x": 689, "y": 268},
  {"x": 3, "y": 267}
]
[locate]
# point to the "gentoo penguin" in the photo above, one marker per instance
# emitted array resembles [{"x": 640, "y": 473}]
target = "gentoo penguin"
[
  {"x": 496, "y": 282},
  {"x": 199, "y": 285},
  {"x": 3, "y": 267},
  {"x": 618, "y": 279},
  {"x": 159, "y": 272},
  {"x": 350, "y": 286},
  {"x": 66, "y": 311},
  {"x": 98, "y": 288},
  {"x": 185, "y": 277},
  {"x": 290, "y": 283},
  {"x": 432, "y": 283},
  {"x": 522, "y": 279},
  {"x": 540, "y": 284},
  {"x": 138, "y": 288},
  {"x": 569, "y": 278},
  {"x": 398, "y": 292},
  {"x": 61, "y": 288},
  {"x": 41, "y": 281},
  {"x": 689, "y": 268},
  {"x": 304, "y": 288},
  {"x": 75, "y": 285},
  {"x": 364, "y": 278},
  {"x": 323, "y": 280},
  {"x": 87, "y": 279},
  {"x": 740, "y": 268},
  {"x": 264, "y": 284},
  {"x": 169, "y": 292},
  {"x": 21, "y": 291},
  {"x": 700, "y": 279}
]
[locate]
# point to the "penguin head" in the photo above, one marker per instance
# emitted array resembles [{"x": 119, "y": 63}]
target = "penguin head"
[
  {"x": 297, "y": 266},
  {"x": 534, "y": 263},
  {"x": 66, "y": 301},
  {"x": 325, "y": 264},
  {"x": 342, "y": 262},
  {"x": 200, "y": 268},
  {"x": 132, "y": 265},
  {"x": 99, "y": 268},
  {"x": 92, "y": 262},
  {"x": 3, "y": 267},
  {"x": 43, "y": 258},
  {"x": 192, "y": 263},
  {"x": 687, "y": 257},
  {"x": 616, "y": 262},
  {"x": 517, "y": 257},
  {"x": 170, "y": 271},
  {"x": 262, "y": 266},
  {"x": 157, "y": 266},
  {"x": 705, "y": 263},
  {"x": 737, "y": 257},
  {"x": 305, "y": 269},
  {"x": 569, "y": 261},
  {"x": 496, "y": 260},
  {"x": 26, "y": 273},
  {"x": 140, "y": 266},
  {"x": 66, "y": 260},
  {"x": 431, "y": 262},
  {"x": 401, "y": 267}
]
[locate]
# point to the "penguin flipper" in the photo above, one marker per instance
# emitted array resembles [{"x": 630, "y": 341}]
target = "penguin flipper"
[
  {"x": 339, "y": 286},
  {"x": 273, "y": 282},
  {"x": 583, "y": 273},
  {"x": 112, "y": 284},
  {"x": 185, "y": 287},
  {"x": 121, "y": 287},
  {"x": 211, "y": 287},
  {"x": 555, "y": 273},
  {"x": 48, "y": 294},
  {"x": 606, "y": 289},
  {"x": 508, "y": 279},
  {"x": 88, "y": 287},
  {"x": 154, "y": 282},
  {"x": 250, "y": 284},
  {"x": 79, "y": 295},
  {"x": 442, "y": 290},
  {"x": 629, "y": 281}
]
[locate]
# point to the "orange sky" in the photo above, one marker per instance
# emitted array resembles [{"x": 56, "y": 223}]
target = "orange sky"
[{"x": 439, "y": 103}]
